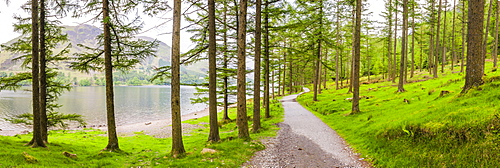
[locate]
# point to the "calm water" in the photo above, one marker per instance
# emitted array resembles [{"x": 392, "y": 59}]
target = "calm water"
[{"x": 133, "y": 104}]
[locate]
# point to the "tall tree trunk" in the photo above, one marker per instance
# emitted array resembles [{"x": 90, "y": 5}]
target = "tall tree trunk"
[
  {"x": 437, "y": 47},
  {"x": 464, "y": 21},
  {"x": 430, "y": 57},
  {"x": 37, "y": 139},
  {"x": 325, "y": 70},
  {"x": 395, "y": 54},
  {"x": 443, "y": 55},
  {"x": 177, "y": 144},
  {"x": 212, "y": 75},
  {"x": 404, "y": 36},
  {"x": 495, "y": 46},
  {"x": 389, "y": 44},
  {"x": 290, "y": 74},
  {"x": 108, "y": 66},
  {"x": 357, "y": 43},
  {"x": 475, "y": 53},
  {"x": 226, "y": 60},
  {"x": 43, "y": 75},
  {"x": 351, "y": 74},
  {"x": 241, "y": 119},
  {"x": 266, "y": 61},
  {"x": 453, "y": 46},
  {"x": 256, "y": 78},
  {"x": 337, "y": 50},
  {"x": 412, "y": 39},
  {"x": 485, "y": 38}
]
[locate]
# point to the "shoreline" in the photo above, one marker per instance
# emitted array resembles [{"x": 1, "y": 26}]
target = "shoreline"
[{"x": 157, "y": 128}]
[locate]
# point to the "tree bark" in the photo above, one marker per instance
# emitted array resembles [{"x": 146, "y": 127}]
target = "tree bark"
[
  {"x": 43, "y": 75},
  {"x": 241, "y": 119},
  {"x": 475, "y": 55},
  {"x": 436, "y": 58},
  {"x": 495, "y": 46},
  {"x": 464, "y": 21},
  {"x": 266, "y": 61},
  {"x": 389, "y": 44},
  {"x": 212, "y": 84},
  {"x": 177, "y": 144},
  {"x": 443, "y": 53},
  {"x": 395, "y": 54},
  {"x": 108, "y": 66},
  {"x": 256, "y": 77},
  {"x": 226, "y": 60},
  {"x": 355, "y": 82},
  {"x": 37, "y": 140},
  {"x": 413, "y": 39},
  {"x": 453, "y": 46},
  {"x": 404, "y": 36},
  {"x": 485, "y": 38}
]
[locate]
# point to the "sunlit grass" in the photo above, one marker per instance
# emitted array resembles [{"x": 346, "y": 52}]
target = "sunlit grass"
[
  {"x": 141, "y": 150},
  {"x": 420, "y": 127}
]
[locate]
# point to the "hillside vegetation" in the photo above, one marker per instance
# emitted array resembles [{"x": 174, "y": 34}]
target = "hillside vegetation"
[{"x": 432, "y": 124}]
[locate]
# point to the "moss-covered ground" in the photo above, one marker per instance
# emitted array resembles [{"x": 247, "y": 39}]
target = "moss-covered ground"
[
  {"x": 432, "y": 124},
  {"x": 140, "y": 150}
]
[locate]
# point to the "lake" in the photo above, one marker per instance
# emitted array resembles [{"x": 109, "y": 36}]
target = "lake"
[{"x": 133, "y": 104}]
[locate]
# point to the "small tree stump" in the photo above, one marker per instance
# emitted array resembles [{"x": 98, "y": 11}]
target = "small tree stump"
[
  {"x": 443, "y": 92},
  {"x": 70, "y": 155}
]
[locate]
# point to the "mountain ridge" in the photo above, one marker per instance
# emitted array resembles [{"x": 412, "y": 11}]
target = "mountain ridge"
[{"x": 87, "y": 35}]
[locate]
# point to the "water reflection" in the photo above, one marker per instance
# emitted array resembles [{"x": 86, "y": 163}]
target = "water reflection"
[{"x": 133, "y": 104}]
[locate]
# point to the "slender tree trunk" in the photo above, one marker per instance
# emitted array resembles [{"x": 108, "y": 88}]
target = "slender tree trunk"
[
  {"x": 453, "y": 46},
  {"x": 475, "y": 50},
  {"x": 291, "y": 74},
  {"x": 357, "y": 32},
  {"x": 412, "y": 39},
  {"x": 272, "y": 84},
  {"x": 284, "y": 71},
  {"x": 351, "y": 74},
  {"x": 241, "y": 119},
  {"x": 325, "y": 70},
  {"x": 337, "y": 50},
  {"x": 266, "y": 61},
  {"x": 177, "y": 144},
  {"x": 404, "y": 36},
  {"x": 389, "y": 44},
  {"x": 495, "y": 46},
  {"x": 464, "y": 30},
  {"x": 37, "y": 139},
  {"x": 226, "y": 60},
  {"x": 438, "y": 46},
  {"x": 443, "y": 55},
  {"x": 212, "y": 84},
  {"x": 395, "y": 61},
  {"x": 43, "y": 75},
  {"x": 256, "y": 78},
  {"x": 485, "y": 38},
  {"x": 110, "y": 106}
]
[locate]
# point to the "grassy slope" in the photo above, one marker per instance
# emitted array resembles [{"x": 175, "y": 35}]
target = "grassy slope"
[
  {"x": 454, "y": 130},
  {"x": 140, "y": 150}
]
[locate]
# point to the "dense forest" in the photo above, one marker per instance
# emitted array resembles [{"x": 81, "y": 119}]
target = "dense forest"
[{"x": 261, "y": 49}]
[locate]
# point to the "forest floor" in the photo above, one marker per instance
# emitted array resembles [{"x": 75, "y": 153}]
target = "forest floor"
[{"x": 304, "y": 141}]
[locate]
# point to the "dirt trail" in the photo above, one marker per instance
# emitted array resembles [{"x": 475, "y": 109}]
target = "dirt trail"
[{"x": 304, "y": 141}]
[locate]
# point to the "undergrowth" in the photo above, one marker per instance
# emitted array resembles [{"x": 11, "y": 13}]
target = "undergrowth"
[
  {"x": 432, "y": 124},
  {"x": 141, "y": 150}
]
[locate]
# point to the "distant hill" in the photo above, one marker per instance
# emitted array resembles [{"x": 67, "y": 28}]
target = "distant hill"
[{"x": 86, "y": 35}]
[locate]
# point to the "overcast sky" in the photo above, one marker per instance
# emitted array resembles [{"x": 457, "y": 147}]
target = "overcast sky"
[{"x": 14, "y": 8}]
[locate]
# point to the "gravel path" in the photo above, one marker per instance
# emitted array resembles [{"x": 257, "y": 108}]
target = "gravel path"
[{"x": 304, "y": 141}]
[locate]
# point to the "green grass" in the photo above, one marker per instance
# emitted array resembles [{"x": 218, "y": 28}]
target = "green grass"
[
  {"x": 141, "y": 150},
  {"x": 427, "y": 130}
]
